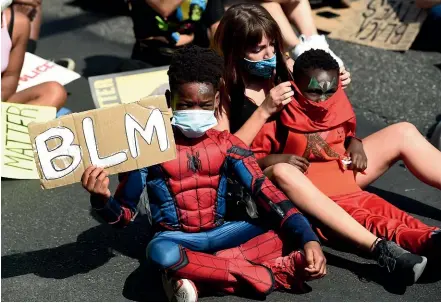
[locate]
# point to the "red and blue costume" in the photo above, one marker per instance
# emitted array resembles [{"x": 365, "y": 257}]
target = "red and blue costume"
[{"x": 187, "y": 199}]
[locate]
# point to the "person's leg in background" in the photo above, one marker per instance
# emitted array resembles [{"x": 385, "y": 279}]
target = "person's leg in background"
[
  {"x": 36, "y": 23},
  {"x": 298, "y": 12},
  {"x": 404, "y": 142},
  {"x": 34, "y": 12},
  {"x": 47, "y": 94},
  {"x": 289, "y": 36}
]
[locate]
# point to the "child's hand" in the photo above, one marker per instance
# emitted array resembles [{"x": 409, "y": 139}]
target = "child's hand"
[
  {"x": 277, "y": 98},
  {"x": 299, "y": 162},
  {"x": 316, "y": 260},
  {"x": 358, "y": 157},
  {"x": 345, "y": 77},
  {"x": 96, "y": 181}
]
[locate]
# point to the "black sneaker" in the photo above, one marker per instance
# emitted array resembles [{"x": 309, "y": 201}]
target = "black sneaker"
[{"x": 399, "y": 262}]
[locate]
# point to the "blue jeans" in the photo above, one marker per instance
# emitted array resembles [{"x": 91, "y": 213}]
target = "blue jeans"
[{"x": 163, "y": 250}]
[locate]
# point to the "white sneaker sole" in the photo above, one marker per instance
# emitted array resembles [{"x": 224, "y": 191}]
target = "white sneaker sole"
[
  {"x": 418, "y": 269},
  {"x": 186, "y": 292}
]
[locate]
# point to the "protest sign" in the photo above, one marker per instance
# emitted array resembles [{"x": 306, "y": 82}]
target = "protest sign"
[
  {"x": 120, "y": 138},
  {"x": 122, "y": 88},
  {"x": 387, "y": 24},
  {"x": 37, "y": 70},
  {"x": 17, "y": 155}
]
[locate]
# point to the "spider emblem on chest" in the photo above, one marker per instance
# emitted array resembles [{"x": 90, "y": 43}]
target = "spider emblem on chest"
[{"x": 193, "y": 162}]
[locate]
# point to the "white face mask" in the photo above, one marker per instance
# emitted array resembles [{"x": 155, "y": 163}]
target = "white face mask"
[{"x": 194, "y": 123}]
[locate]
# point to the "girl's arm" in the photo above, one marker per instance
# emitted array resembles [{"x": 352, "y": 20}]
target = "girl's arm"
[
  {"x": 251, "y": 128},
  {"x": 20, "y": 38},
  {"x": 277, "y": 98}
]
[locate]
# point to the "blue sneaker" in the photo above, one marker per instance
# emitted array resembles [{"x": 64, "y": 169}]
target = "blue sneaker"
[{"x": 62, "y": 112}]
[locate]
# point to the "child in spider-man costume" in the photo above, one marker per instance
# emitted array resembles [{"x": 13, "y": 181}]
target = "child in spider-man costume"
[
  {"x": 194, "y": 244},
  {"x": 319, "y": 126}
]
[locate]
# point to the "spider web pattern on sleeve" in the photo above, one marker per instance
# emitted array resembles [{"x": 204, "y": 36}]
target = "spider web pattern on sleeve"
[{"x": 246, "y": 168}]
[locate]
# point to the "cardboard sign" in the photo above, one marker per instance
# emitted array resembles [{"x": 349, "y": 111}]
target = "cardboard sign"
[
  {"x": 127, "y": 87},
  {"x": 120, "y": 138},
  {"x": 387, "y": 24},
  {"x": 37, "y": 70},
  {"x": 17, "y": 155}
]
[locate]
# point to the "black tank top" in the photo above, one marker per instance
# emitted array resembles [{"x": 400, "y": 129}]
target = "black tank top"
[{"x": 241, "y": 110}]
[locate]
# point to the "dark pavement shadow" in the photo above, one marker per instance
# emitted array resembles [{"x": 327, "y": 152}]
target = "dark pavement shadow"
[
  {"x": 102, "y": 65},
  {"x": 368, "y": 273},
  {"x": 108, "y": 64},
  {"x": 437, "y": 119},
  {"x": 407, "y": 204},
  {"x": 93, "y": 248},
  {"x": 108, "y": 7},
  {"x": 94, "y": 11},
  {"x": 58, "y": 26},
  {"x": 144, "y": 285}
]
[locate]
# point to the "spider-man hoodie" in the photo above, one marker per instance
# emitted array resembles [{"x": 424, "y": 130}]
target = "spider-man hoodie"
[{"x": 189, "y": 193}]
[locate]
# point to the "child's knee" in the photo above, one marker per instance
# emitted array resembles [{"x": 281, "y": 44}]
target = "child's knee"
[
  {"x": 163, "y": 253},
  {"x": 406, "y": 130},
  {"x": 56, "y": 93},
  {"x": 284, "y": 172}
]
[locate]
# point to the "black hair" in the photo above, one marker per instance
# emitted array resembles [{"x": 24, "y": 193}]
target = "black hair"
[
  {"x": 195, "y": 64},
  {"x": 313, "y": 59}
]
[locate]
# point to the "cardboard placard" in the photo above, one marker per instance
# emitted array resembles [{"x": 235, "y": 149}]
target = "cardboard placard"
[
  {"x": 120, "y": 138},
  {"x": 122, "y": 88},
  {"x": 37, "y": 70},
  {"x": 17, "y": 155},
  {"x": 386, "y": 24}
]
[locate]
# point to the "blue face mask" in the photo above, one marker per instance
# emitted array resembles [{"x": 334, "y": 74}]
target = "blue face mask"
[
  {"x": 263, "y": 68},
  {"x": 194, "y": 123}
]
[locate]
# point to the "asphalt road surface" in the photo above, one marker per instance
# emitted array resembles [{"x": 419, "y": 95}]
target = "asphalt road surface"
[{"x": 54, "y": 249}]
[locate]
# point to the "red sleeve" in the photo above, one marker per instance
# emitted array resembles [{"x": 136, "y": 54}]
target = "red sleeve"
[
  {"x": 122, "y": 208},
  {"x": 350, "y": 127},
  {"x": 266, "y": 142},
  {"x": 243, "y": 164}
]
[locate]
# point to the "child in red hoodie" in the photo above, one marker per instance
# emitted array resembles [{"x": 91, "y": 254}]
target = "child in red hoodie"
[{"x": 319, "y": 125}]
